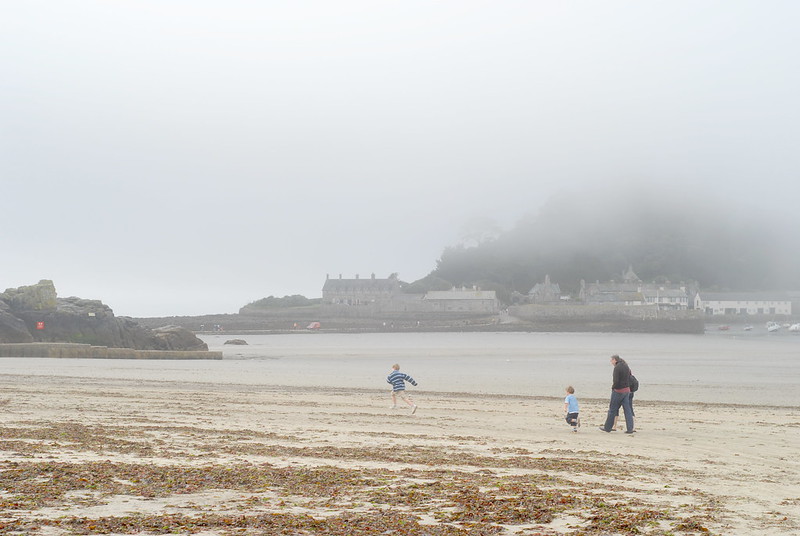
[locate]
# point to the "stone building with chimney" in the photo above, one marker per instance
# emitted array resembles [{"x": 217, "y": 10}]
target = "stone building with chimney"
[
  {"x": 360, "y": 291},
  {"x": 546, "y": 292},
  {"x": 375, "y": 296},
  {"x": 631, "y": 290}
]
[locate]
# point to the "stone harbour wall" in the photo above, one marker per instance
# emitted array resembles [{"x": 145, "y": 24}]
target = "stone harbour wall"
[
  {"x": 87, "y": 351},
  {"x": 600, "y": 311}
]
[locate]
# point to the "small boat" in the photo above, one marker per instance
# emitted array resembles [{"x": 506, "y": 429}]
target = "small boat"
[{"x": 773, "y": 326}]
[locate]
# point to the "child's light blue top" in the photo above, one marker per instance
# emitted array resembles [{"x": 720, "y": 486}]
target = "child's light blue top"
[{"x": 572, "y": 404}]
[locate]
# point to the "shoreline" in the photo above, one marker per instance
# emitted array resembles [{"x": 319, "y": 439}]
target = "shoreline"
[
  {"x": 689, "y": 368},
  {"x": 313, "y": 390},
  {"x": 440, "y": 323}
]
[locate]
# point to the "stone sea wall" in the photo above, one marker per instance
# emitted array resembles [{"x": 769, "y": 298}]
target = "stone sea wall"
[
  {"x": 609, "y": 318},
  {"x": 601, "y": 311},
  {"x": 87, "y": 351}
]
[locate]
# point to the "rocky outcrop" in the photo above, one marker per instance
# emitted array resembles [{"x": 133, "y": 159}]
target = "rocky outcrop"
[
  {"x": 36, "y": 314},
  {"x": 12, "y": 329},
  {"x": 177, "y": 338},
  {"x": 38, "y": 297}
]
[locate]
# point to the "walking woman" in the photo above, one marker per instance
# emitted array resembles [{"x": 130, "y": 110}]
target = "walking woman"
[{"x": 620, "y": 396}]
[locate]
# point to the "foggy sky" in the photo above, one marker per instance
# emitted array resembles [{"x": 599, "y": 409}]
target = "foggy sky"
[{"x": 174, "y": 158}]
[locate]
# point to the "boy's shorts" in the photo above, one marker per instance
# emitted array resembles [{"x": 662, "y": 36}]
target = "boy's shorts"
[
  {"x": 401, "y": 393},
  {"x": 572, "y": 418}
]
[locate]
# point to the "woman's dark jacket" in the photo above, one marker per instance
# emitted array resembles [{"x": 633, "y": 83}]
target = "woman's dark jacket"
[{"x": 622, "y": 375}]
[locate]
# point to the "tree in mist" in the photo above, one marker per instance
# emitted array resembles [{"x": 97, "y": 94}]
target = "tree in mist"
[
  {"x": 479, "y": 230},
  {"x": 665, "y": 236},
  {"x": 295, "y": 300},
  {"x": 427, "y": 283}
]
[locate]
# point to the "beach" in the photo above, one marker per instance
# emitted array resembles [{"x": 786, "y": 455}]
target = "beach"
[{"x": 297, "y": 436}]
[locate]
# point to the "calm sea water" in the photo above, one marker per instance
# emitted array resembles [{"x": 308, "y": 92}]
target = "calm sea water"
[{"x": 745, "y": 368}]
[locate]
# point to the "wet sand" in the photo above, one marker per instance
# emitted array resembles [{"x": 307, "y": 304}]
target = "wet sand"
[{"x": 114, "y": 448}]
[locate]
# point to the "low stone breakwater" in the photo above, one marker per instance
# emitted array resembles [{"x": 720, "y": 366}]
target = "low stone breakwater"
[{"x": 87, "y": 351}]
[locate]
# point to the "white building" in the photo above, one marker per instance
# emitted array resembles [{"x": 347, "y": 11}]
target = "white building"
[
  {"x": 666, "y": 298},
  {"x": 743, "y": 303},
  {"x": 471, "y": 300}
]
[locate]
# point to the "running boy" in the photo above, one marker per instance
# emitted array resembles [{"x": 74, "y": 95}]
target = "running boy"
[
  {"x": 571, "y": 409},
  {"x": 398, "y": 379}
]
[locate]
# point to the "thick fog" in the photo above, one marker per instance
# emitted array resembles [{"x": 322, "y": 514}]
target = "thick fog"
[{"x": 174, "y": 158}]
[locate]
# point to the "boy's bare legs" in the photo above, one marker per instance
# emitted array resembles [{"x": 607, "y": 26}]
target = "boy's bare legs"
[
  {"x": 412, "y": 404},
  {"x": 407, "y": 399}
]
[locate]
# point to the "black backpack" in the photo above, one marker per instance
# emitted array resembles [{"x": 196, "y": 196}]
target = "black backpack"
[{"x": 633, "y": 383}]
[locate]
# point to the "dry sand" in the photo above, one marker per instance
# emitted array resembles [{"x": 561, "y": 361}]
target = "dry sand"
[{"x": 111, "y": 456}]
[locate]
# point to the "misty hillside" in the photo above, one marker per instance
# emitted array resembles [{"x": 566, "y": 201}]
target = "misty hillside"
[{"x": 664, "y": 236}]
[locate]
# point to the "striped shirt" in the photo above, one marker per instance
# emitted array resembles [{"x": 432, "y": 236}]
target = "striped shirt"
[{"x": 397, "y": 379}]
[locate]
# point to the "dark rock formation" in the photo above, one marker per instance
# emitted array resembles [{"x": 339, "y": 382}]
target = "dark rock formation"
[
  {"x": 12, "y": 329},
  {"x": 177, "y": 338},
  {"x": 36, "y": 314}
]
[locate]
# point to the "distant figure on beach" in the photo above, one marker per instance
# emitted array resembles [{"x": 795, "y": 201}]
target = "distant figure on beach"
[
  {"x": 571, "y": 409},
  {"x": 620, "y": 396},
  {"x": 398, "y": 379}
]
